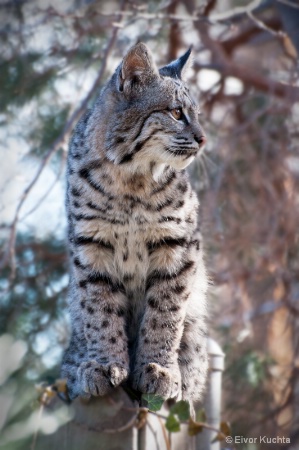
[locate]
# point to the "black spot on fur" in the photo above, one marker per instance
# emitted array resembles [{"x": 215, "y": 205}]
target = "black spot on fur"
[
  {"x": 78, "y": 263},
  {"x": 75, "y": 192},
  {"x": 153, "y": 303},
  {"x": 163, "y": 205},
  {"x": 168, "y": 182},
  {"x": 83, "y": 284},
  {"x": 178, "y": 289},
  {"x": 170, "y": 219},
  {"x": 179, "y": 204},
  {"x": 128, "y": 277},
  {"x": 84, "y": 173},
  {"x": 195, "y": 243},
  {"x": 184, "y": 346},
  {"x": 108, "y": 309},
  {"x": 126, "y": 158},
  {"x": 174, "y": 308},
  {"x": 182, "y": 186},
  {"x": 120, "y": 312}
]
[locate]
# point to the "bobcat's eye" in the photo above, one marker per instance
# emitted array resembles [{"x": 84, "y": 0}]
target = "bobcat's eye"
[{"x": 177, "y": 113}]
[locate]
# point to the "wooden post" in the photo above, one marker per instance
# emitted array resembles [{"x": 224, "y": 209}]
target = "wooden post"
[
  {"x": 107, "y": 423},
  {"x": 102, "y": 423}
]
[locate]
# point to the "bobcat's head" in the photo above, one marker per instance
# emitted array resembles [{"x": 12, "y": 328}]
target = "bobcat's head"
[{"x": 150, "y": 118}]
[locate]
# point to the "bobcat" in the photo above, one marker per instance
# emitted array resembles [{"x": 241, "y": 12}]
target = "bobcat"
[{"x": 137, "y": 277}]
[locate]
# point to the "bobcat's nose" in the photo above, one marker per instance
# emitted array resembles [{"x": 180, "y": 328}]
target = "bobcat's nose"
[{"x": 200, "y": 139}]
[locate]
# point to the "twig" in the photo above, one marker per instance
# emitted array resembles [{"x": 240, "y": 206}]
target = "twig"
[
  {"x": 260, "y": 24},
  {"x": 202, "y": 424},
  {"x": 156, "y": 16},
  {"x": 40, "y": 201},
  {"x": 154, "y": 434},
  {"x": 167, "y": 443},
  {"x": 34, "y": 439},
  {"x": 288, "y": 3},
  {"x": 125, "y": 427},
  {"x": 232, "y": 13},
  {"x": 252, "y": 78}
]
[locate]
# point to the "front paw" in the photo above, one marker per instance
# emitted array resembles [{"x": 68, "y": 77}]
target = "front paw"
[
  {"x": 100, "y": 379},
  {"x": 158, "y": 380}
]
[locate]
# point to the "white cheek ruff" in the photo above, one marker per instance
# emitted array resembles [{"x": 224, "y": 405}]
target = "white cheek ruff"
[
  {"x": 181, "y": 164},
  {"x": 158, "y": 170}
]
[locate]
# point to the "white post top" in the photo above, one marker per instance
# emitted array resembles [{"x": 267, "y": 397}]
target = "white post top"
[{"x": 216, "y": 355}]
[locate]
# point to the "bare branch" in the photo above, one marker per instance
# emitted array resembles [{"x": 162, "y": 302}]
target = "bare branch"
[
  {"x": 125, "y": 427},
  {"x": 167, "y": 443},
  {"x": 232, "y": 13},
  {"x": 254, "y": 79},
  {"x": 289, "y": 3},
  {"x": 260, "y": 24},
  {"x": 40, "y": 201},
  {"x": 227, "y": 67},
  {"x": 175, "y": 39}
]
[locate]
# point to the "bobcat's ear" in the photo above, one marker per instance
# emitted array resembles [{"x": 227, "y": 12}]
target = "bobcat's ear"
[
  {"x": 178, "y": 68},
  {"x": 137, "y": 67}
]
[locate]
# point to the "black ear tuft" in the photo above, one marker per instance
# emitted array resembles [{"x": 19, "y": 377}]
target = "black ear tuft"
[{"x": 177, "y": 68}]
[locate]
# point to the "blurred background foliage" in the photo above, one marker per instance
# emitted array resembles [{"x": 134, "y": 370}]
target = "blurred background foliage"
[{"x": 55, "y": 56}]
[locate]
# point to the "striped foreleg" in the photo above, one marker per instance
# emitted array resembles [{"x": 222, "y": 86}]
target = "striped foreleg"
[
  {"x": 102, "y": 305},
  {"x": 157, "y": 370}
]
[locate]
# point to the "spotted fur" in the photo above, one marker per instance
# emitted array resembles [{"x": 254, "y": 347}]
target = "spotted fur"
[{"x": 137, "y": 277}]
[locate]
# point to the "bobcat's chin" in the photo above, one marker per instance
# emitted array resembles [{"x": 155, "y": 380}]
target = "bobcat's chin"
[
  {"x": 180, "y": 164},
  {"x": 159, "y": 168}
]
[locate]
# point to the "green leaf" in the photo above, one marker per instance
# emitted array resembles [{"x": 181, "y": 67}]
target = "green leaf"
[
  {"x": 181, "y": 409},
  {"x": 194, "y": 428},
  {"x": 172, "y": 424},
  {"x": 154, "y": 402},
  {"x": 201, "y": 416}
]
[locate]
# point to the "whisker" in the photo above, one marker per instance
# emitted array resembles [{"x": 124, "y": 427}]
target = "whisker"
[{"x": 209, "y": 161}]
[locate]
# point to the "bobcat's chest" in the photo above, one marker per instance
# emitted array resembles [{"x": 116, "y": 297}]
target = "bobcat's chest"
[
  {"x": 141, "y": 246},
  {"x": 131, "y": 257}
]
